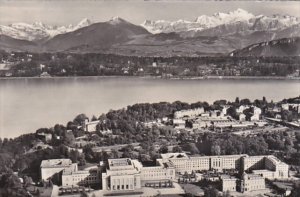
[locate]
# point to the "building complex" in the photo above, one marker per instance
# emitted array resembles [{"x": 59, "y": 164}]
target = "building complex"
[{"x": 127, "y": 174}]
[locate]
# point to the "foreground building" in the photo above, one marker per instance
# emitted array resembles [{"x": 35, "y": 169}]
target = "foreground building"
[
  {"x": 80, "y": 177},
  {"x": 184, "y": 163},
  {"x": 252, "y": 182},
  {"x": 51, "y": 167},
  {"x": 127, "y": 174},
  {"x": 247, "y": 183},
  {"x": 68, "y": 172},
  {"x": 268, "y": 166},
  {"x": 229, "y": 183}
]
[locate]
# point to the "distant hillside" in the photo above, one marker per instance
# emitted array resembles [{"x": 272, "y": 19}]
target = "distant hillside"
[
  {"x": 11, "y": 44},
  {"x": 280, "y": 47},
  {"x": 96, "y": 36}
]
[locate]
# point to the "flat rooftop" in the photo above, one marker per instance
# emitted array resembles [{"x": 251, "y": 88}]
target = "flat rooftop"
[
  {"x": 174, "y": 155},
  {"x": 119, "y": 162},
  {"x": 50, "y": 163},
  {"x": 227, "y": 177}
]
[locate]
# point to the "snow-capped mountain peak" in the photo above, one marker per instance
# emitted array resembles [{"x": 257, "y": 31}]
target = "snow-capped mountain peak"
[
  {"x": 116, "y": 20},
  {"x": 202, "y": 22},
  {"x": 223, "y": 18},
  {"x": 83, "y": 23},
  {"x": 237, "y": 17},
  {"x": 39, "y": 30}
]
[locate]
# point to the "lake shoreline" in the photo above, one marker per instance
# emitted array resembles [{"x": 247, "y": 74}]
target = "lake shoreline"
[
  {"x": 167, "y": 78},
  {"x": 43, "y": 102}
]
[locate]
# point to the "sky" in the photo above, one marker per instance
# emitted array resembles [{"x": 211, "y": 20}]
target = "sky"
[{"x": 64, "y": 12}]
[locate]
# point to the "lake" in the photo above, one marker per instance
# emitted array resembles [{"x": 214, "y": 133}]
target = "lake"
[{"x": 27, "y": 104}]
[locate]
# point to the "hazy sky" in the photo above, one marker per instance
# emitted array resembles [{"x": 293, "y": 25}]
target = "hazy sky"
[{"x": 64, "y": 12}]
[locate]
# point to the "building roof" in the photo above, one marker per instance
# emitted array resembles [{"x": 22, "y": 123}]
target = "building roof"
[
  {"x": 227, "y": 177},
  {"x": 52, "y": 163},
  {"x": 174, "y": 155},
  {"x": 119, "y": 162},
  {"x": 246, "y": 176}
]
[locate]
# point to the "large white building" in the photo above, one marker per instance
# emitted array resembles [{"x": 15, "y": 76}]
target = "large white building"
[
  {"x": 189, "y": 112},
  {"x": 294, "y": 106},
  {"x": 90, "y": 126},
  {"x": 51, "y": 167},
  {"x": 126, "y": 174},
  {"x": 252, "y": 182},
  {"x": 183, "y": 163},
  {"x": 228, "y": 183},
  {"x": 268, "y": 166},
  {"x": 70, "y": 175},
  {"x": 81, "y": 177}
]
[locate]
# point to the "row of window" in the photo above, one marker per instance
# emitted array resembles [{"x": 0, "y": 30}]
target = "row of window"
[{"x": 122, "y": 187}]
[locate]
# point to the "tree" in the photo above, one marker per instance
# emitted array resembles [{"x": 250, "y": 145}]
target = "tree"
[
  {"x": 245, "y": 102},
  {"x": 94, "y": 118},
  {"x": 296, "y": 190},
  {"x": 191, "y": 147},
  {"x": 177, "y": 149},
  {"x": 163, "y": 149},
  {"x": 74, "y": 155},
  {"x": 215, "y": 149},
  {"x": 38, "y": 193},
  {"x": 69, "y": 138},
  {"x": 237, "y": 100},
  {"x": 226, "y": 194},
  {"x": 80, "y": 118},
  {"x": 27, "y": 181},
  {"x": 297, "y": 134},
  {"x": 84, "y": 194},
  {"x": 211, "y": 192}
]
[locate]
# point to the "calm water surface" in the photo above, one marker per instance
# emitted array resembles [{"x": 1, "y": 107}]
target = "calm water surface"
[{"x": 29, "y": 104}]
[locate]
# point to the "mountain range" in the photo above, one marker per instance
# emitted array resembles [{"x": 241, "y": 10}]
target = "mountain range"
[
  {"x": 38, "y": 30},
  {"x": 220, "y": 33},
  {"x": 279, "y": 48},
  {"x": 240, "y": 19}
]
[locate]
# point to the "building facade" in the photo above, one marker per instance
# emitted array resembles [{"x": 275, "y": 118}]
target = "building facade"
[
  {"x": 228, "y": 183},
  {"x": 69, "y": 173},
  {"x": 252, "y": 182},
  {"x": 51, "y": 167},
  {"x": 189, "y": 112},
  {"x": 90, "y": 126},
  {"x": 82, "y": 177},
  {"x": 184, "y": 163},
  {"x": 126, "y": 174}
]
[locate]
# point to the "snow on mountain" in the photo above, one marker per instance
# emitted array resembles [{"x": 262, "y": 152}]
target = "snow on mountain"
[
  {"x": 38, "y": 30},
  {"x": 201, "y": 22},
  {"x": 116, "y": 20},
  {"x": 274, "y": 22},
  {"x": 239, "y": 16},
  {"x": 224, "y": 18},
  {"x": 162, "y": 26},
  {"x": 83, "y": 23}
]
